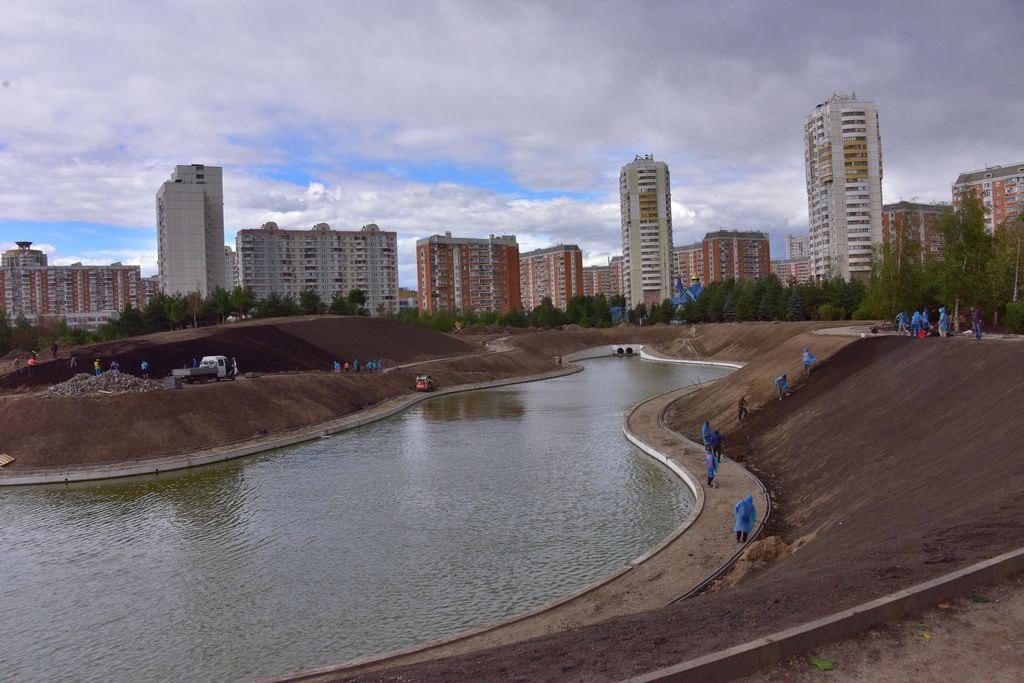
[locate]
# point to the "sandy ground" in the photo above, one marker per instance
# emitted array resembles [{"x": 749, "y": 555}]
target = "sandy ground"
[{"x": 979, "y": 637}]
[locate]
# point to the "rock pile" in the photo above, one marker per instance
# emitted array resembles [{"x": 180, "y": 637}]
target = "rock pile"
[{"x": 107, "y": 383}]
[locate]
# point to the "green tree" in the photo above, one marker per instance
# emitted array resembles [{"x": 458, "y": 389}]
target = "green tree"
[
  {"x": 175, "y": 307},
  {"x": 5, "y": 332},
  {"x": 729, "y": 309},
  {"x": 242, "y": 300},
  {"x": 220, "y": 302},
  {"x": 795, "y": 306},
  {"x": 967, "y": 256},
  {"x": 310, "y": 302},
  {"x": 340, "y": 305}
]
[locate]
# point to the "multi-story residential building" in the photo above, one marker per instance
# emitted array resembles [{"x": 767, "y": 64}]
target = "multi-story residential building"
[
  {"x": 792, "y": 270},
  {"x": 22, "y": 257},
  {"x": 797, "y": 247},
  {"x": 920, "y": 222},
  {"x": 735, "y": 254},
  {"x": 843, "y": 161},
  {"x": 468, "y": 274},
  {"x": 86, "y": 296},
  {"x": 407, "y": 298},
  {"x": 617, "y": 275},
  {"x": 555, "y": 272},
  {"x": 230, "y": 268},
  {"x": 645, "y": 198},
  {"x": 1000, "y": 188},
  {"x": 150, "y": 288},
  {"x": 190, "y": 230},
  {"x": 688, "y": 263},
  {"x": 597, "y": 280},
  {"x": 286, "y": 262}
]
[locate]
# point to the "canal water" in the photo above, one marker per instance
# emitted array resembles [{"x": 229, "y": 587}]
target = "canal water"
[{"x": 460, "y": 511}]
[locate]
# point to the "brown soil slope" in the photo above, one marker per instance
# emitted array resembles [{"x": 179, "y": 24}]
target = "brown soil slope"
[
  {"x": 897, "y": 462},
  {"x": 272, "y": 345}
]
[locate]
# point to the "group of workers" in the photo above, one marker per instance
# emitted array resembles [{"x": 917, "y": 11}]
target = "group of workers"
[
  {"x": 369, "y": 366},
  {"x": 919, "y": 325},
  {"x": 744, "y": 512}
]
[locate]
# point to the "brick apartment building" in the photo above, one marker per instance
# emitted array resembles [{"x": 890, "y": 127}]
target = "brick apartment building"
[
  {"x": 688, "y": 263},
  {"x": 555, "y": 272},
  {"x": 1000, "y": 188},
  {"x": 793, "y": 270},
  {"x": 902, "y": 218},
  {"x": 735, "y": 254},
  {"x": 468, "y": 274}
]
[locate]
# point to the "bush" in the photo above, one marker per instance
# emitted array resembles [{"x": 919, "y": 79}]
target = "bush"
[
  {"x": 1015, "y": 317},
  {"x": 830, "y": 312}
]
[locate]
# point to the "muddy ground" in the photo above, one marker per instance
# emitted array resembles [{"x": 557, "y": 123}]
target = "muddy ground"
[{"x": 897, "y": 462}]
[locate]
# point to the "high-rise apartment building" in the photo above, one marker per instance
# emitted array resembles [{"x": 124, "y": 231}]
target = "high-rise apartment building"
[
  {"x": 555, "y": 272},
  {"x": 190, "y": 230},
  {"x": 230, "y": 268},
  {"x": 468, "y": 274},
  {"x": 843, "y": 161},
  {"x": 150, "y": 288},
  {"x": 286, "y": 262},
  {"x": 1000, "y": 188},
  {"x": 597, "y": 280},
  {"x": 797, "y": 247},
  {"x": 735, "y": 254},
  {"x": 645, "y": 198},
  {"x": 792, "y": 270},
  {"x": 84, "y": 296},
  {"x": 688, "y": 263},
  {"x": 919, "y": 222}
]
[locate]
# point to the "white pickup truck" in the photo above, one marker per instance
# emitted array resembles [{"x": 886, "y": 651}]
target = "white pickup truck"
[{"x": 213, "y": 368}]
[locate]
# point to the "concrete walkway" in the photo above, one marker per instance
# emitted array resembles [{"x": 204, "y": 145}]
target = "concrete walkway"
[{"x": 700, "y": 546}]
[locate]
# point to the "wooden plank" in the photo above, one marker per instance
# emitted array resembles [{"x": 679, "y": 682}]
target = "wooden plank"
[{"x": 5, "y": 459}]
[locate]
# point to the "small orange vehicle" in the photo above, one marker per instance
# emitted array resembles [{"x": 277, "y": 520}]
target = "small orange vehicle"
[{"x": 425, "y": 383}]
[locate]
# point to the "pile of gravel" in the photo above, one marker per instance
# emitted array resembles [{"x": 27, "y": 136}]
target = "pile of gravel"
[{"x": 107, "y": 383}]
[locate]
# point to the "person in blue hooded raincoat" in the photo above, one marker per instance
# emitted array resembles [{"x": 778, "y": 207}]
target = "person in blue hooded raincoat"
[
  {"x": 915, "y": 323},
  {"x": 809, "y": 360},
  {"x": 711, "y": 463},
  {"x": 926, "y": 324},
  {"x": 902, "y": 324},
  {"x": 746, "y": 516},
  {"x": 705, "y": 433},
  {"x": 943, "y": 322},
  {"x": 782, "y": 384}
]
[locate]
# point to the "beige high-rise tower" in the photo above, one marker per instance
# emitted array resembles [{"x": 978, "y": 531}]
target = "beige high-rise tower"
[
  {"x": 645, "y": 197},
  {"x": 190, "y": 230},
  {"x": 843, "y": 160}
]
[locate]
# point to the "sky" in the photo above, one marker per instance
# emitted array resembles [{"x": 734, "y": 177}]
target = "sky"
[{"x": 479, "y": 117}]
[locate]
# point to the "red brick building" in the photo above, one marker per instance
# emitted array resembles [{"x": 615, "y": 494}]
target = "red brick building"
[
  {"x": 735, "y": 254},
  {"x": 793, "y": 270},
  {"x": 1000, "y": 188},
  {"x": 468, "y": 274},
  {"x": 919, "y": 222},
  {"x": 555, "y": 272},
  {"x": 688, "y": 263}
]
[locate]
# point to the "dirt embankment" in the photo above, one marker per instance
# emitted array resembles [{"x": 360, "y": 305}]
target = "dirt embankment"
[
  {"x": 272, "y": 345},
  {"x": 896, "y": 463}
]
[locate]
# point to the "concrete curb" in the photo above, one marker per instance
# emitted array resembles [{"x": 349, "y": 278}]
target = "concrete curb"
[
  {"x": 743, "y": 660},
  {"x": 157, "y": 466},
  {"x": 647, "y": 355}
]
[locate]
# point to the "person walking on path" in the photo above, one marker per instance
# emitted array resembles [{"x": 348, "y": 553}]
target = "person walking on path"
[
  {"x": 915, "y": 324},
  {"x": 716, "y": 444},
  {"x": 355, "y": 365},
  {"x": 976, "y": 321},
  {"x": 782, "y": 384},
  {"x": 705, "y": 434},
  {"x": 809, "y": 360},
  {"x": 743, "y": 409},
  {"x": 901, "y": 324},
  {"x": 337, "y": 367},
  {"x": 144, "y": 368},
  {"x": 746, "y": 516},
  {"x": 943, "y": 322},
  {"x": 711, "y": 463},
  {"x": 96, "y": 367}
]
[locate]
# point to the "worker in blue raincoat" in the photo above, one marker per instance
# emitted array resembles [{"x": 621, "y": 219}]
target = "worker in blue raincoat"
[
  {"x": 711, "y": 463},
  {"x": 925, "y": 323},
  {"x": 705, "y": 433},
  {"x": 809, "y": 360},
  {"x": 746, "y": 516},
  {"x": 943, "y": 322},
  {"x": 915, "y": 323}
]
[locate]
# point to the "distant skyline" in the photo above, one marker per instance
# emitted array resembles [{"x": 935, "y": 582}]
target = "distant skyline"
[{"x": 478, "y": 118}]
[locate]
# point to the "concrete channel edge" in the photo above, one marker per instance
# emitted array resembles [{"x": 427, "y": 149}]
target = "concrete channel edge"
[{"x": 748, "y": 658}]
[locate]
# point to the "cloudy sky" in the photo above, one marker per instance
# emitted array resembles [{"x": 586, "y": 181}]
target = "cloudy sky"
[{"x": 478, "y": 117}]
